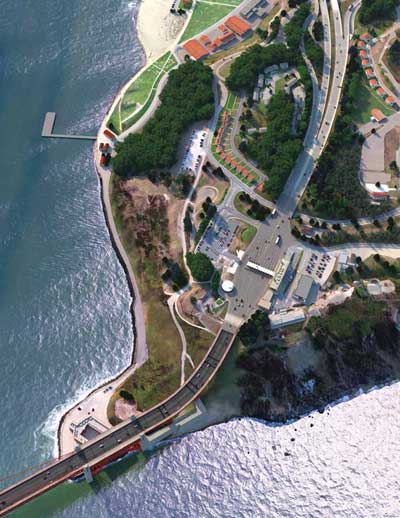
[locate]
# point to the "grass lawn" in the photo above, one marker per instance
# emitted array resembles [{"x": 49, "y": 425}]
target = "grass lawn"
[
  {"x": 160, "y": 375},
  {"x": 367, "y": 100},
  {"x": 140, "y": 93},
  {"x": 203, "y": 16},
  {"x": 198, "y": 342},
  {"x": 280, "y": 84},
  {"x": 247, "y": 233}
]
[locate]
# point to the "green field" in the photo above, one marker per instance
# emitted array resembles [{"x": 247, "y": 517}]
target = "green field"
[
  {"x": 204, "y": 15},
  {"x": 367, "y": 100},
  {"x": 247, "y": 233},
  {"x": 140, "y": 93}
]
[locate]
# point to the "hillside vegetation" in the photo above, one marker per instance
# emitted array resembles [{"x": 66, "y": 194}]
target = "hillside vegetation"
[
  {"x": 373, "y": 11},
  {"x": 186, "y": 98}
]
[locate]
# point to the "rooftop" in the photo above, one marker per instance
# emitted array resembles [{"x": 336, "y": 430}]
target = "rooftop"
[
  {"x": 196, "y": 50},
  {"x": 238, "y": 25}
]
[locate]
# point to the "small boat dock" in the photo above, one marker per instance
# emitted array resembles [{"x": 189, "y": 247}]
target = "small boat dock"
[{"x": 48, "y": 125}]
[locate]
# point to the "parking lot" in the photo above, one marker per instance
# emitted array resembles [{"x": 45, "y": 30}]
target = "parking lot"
[
  {"x": 194, "y": 152},
  {"x": 318, "y": 265}
]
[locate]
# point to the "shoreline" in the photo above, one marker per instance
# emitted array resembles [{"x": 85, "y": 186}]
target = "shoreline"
[
  {"x": 152, "y": 48},
  {"x": 141, "y": 29}
]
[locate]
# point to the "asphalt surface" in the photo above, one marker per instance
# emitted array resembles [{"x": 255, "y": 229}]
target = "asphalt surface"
[
  {"x": 119, "y": 436},
  {"x": 250, "y": 286}
]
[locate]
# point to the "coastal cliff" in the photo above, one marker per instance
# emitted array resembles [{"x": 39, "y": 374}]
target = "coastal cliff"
[{"x": 337, "y": 355}]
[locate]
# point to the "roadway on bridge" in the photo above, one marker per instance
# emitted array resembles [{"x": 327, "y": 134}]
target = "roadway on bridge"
[{"x": 120, "y": 435}]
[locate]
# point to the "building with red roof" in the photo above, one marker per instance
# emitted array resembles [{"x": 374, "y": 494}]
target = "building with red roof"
[
  {"x": 390, "y": 100},
  {"x": 251, "y": 178},
  {"x": 360, "y": 45},
  {"x": 369, "y": 72},
  {"x": 196, "y": 50},
  {"x": 237, "y": 25},
  {"x": 260, "y": 187},
  {"x": 381, "y": 92},
  {"x": 366, "y": 36},
  {"x": 363, "y": 54},
  {"x": 245, "y": 172},
  {"x": 365, "y": 63},
  {"x": 109, "y": 134},
  {"x": 373, "y": 83},
  {"x": 223, "y": 155},
  {"x": 205, "y": 39},
  {"x": 377, "y": 115},
  {"x": 239, "y": 168},
  {"x": 228, "y": 159},
  {"x": 234, "y": 164}
]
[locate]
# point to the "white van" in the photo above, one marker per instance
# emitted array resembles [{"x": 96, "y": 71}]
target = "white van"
[{"x": 277, "y": 240}]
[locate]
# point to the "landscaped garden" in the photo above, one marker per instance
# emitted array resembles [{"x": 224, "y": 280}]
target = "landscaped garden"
[{"x": 140, "y": 94}]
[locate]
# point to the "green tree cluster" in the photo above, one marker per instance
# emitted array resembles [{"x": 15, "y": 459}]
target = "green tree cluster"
[
  {"x": 187, "y": 97},
  {"x": 245, "y": 69},
  {"x": 394, "y": 53},
  {"x": 274, "y": 26},
  {"x": 335, "y": 190},
  {"x": 200, "y": 266},
  {"x": 294, "y": 29},
  {"x": 277, "y": 149},
  {"x": 375, "y": 11},
  {"x": 314, "y": 52}
]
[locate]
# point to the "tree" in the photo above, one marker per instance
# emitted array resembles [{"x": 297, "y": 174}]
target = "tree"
[
  {"x": 126, "y": 395},
  {"x": 155, "y": 147},
  {"x": 377, "y": 258},
  {"x": 215, "y": 283},
  {"x": 200, "y": 266},
  {"x": 337, "y": 277},
  {"x": 375, "y": 11}
]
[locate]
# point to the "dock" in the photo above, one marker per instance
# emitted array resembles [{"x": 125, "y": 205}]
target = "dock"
[{"x": 48, "y": 125}]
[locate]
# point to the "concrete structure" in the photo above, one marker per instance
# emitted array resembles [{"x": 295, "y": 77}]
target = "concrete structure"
[
  {"x": 252, "y": 8},
  {"x": 307, "y": 290},
  {"x": 227, "y": 286},
  {"x": 87, "y": 429},
  {"x": 122, "y": 438},
  {"x": 48, "y": 126},
  {"x": 286, "y": 318},
  {"x": 265, "y": 301},
  {"x": 376, "y": 287}
]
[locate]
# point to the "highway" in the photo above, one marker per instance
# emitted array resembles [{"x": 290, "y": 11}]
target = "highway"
[
  {"x": 250, "y": 286},
  {"x": 121, "y": 435}
]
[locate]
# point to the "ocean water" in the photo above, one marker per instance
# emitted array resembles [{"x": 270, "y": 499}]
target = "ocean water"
[
  {"x": 64, "y": 302},
  {"x": 64, "y": 311}
]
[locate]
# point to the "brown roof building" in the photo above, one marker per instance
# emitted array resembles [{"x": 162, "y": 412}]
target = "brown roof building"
[
  {"x": 236, "y": 24},
  {"x": 196, "y": 50}
]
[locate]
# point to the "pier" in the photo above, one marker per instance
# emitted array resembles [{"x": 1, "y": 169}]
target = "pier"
[{"x": 48, "y": 125}]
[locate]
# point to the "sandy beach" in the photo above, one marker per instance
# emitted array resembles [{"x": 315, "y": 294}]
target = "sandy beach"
[{"x": 157, "y": 28}]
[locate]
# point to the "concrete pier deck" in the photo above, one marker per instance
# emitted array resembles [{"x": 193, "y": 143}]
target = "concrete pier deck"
[{"x": 48, "y": 125}]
